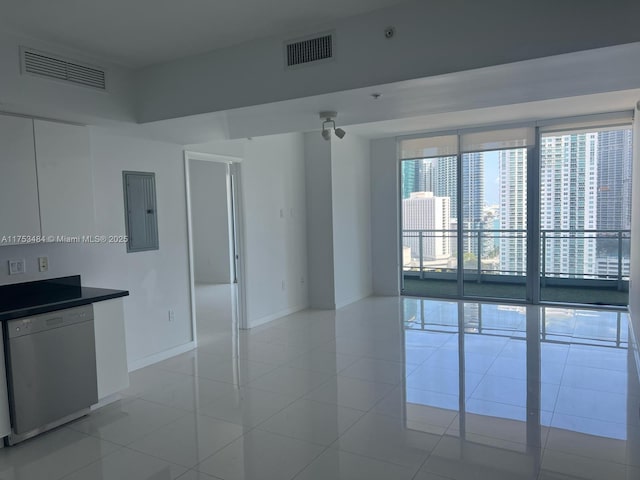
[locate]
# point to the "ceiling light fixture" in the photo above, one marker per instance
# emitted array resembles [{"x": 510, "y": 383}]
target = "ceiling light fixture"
[{"x": 330, "y": 118}]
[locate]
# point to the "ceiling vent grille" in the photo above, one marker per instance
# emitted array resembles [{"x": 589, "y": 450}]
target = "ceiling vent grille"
[
  {"x": 50, "y": 66},
  {"x": 309, "y": 50}
]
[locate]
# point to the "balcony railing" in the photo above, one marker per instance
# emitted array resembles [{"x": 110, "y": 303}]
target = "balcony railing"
[{"x": 567, "y": 256}]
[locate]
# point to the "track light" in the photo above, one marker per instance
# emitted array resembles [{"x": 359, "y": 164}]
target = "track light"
[{"x": 330, "y": 118}]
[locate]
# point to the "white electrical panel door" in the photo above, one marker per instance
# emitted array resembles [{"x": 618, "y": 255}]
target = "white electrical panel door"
[
  {"x": 19, "y": 211},
  {"x": 65, "y": 179}
]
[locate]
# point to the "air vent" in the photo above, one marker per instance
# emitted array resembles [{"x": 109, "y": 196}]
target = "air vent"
[
  {"x": 309, "y": 50},
  {"x": 50, "y": 66}
]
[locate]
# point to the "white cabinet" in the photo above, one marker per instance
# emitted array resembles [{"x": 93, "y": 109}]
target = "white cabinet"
[
  {"x": 19, "y": 210},
  {"x": 111, "y": 348},
  {"x": 65, "y": 179}
]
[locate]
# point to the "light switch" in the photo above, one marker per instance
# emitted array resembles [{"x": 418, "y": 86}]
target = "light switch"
[
  {"x": 16, "y": 266},
  {"x": 43, "y": 264}
]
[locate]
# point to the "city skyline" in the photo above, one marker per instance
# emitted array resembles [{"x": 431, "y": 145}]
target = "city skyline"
[{"x": 584, "y": 185}]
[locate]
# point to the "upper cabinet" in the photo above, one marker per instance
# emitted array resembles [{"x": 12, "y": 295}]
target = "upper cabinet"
[
  {"x": 19, "y": 211},
  {"x": 65, "y": 179}
]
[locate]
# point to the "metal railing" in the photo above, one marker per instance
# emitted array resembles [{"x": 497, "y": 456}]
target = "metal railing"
[{"x": 585, "y": 255}]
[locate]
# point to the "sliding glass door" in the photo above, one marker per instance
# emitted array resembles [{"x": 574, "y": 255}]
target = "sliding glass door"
[
  {"x": 534, "y": 213},
  {"x": 585, "y": 215},
  {"x": 429, "y": 228},
  {"x": 494, "y": 227}
]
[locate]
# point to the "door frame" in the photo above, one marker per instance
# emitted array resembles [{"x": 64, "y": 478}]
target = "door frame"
[{"x": 235, "y": 169}]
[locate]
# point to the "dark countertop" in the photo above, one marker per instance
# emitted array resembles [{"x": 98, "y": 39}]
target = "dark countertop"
[{"x": 33, "y": 298}]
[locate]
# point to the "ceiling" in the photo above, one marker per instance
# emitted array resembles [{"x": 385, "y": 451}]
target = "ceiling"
[{"x": 137, "y": 33}]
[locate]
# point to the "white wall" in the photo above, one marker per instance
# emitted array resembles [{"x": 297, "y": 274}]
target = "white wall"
[
  {"x": 210, "y": 222},
  {"x": 634, "y": 286},
  {"x": 432, "y": 38},
  {"x": 385, "y": 217},
  {"x": 31, "y": 95},
  {"x": 273, "y": 184},
  {"x": 351, "y": 201},
  {"x": 317, "y": 157},
  {"x": 157, "y": 280},
  {"x": 274, "y": 204}
]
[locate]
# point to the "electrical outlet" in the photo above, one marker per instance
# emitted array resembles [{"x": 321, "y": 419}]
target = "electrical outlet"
[
  {"x": 172, "y": 315},
  {"x": 17, "y": 266},
  {"x": 43, "y": 264}
]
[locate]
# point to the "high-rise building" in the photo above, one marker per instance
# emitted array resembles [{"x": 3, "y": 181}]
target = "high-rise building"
[
  {"x": 423, "y": 211},
  {"x": 614, "y": 161},
  {"x": 472, "y": 199},
  {"x": 410, "y": 172},
  {"x": 614, "y": 194},
  {"x": 568, "y": 202},
  {"x": 444, "y": 175},
  {"x": 416, "y": 176},
  {"x": 512, "y": 171}
]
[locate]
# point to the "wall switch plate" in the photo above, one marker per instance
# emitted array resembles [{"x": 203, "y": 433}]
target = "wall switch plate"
[
  {"x": 172, "y": 315},
  {"x": 43, "y": 264},
  {"x": 17, "y": 267}
]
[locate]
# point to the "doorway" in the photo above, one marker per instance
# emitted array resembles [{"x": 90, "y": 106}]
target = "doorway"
[{"x": 213, "y": 206}]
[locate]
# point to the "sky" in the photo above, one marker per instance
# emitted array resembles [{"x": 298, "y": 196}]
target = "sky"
[{"x": 491, "y": 179}]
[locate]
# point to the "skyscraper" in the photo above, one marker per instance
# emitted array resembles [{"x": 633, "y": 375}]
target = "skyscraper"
[
  {"x": 512, "y": 171},
  {"x": 424, "y": 211},
  {"x": 614, "y": 179},
  {"x": 472, "y": 198},
  {"x": 568, "y": 202}
]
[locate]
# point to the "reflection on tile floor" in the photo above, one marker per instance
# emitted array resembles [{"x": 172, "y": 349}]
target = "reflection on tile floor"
[{"x": 385, "y": 388}]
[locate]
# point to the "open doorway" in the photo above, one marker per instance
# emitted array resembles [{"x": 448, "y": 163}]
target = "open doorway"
[{"x": 213, "y": 204}]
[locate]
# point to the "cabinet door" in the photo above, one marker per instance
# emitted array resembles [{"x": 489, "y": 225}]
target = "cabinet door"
[
  {"x": 65, "y": 179},
  {"x": 19, "y": 212},
  {"x": 111, "y": 347}
]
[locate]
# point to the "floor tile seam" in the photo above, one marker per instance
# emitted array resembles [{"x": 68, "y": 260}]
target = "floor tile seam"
[
  {"x": 371, "y": 457},
  {"x": 157, "y": 457},
  {"x": 297, "y": 474},
  {"x": 394, "y": 384},
  {"x": 75, "y": 470},
  {"x": 291, "y": 437},
  {"x": 422, "y": 465},
  {"x": 331, "y": 376},
  {"x": 196, "y": 472},
  {"x": 153, "y": 430},
  {"x": 624, "y": 371},
  {"x": 447, "y": 427},
  {"x": 626, "y": 455},
  {"x": 626, "y": 394},
  {"x": 323, "y": 449},
  {"x": 166, "y": 405},
  {"x": 549, "y": 450},
  {"x": 451, "y": 432},
  {"x": 129, "y": 447},
  {"x": 276, "y": 413}
]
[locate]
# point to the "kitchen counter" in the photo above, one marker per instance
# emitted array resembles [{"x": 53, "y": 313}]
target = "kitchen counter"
[{"x": 33, "y": 298}]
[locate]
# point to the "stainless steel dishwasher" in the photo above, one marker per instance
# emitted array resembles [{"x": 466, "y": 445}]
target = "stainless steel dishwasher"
[{"x": 51, "y": 370}]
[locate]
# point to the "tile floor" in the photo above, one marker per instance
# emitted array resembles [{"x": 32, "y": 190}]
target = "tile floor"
[{"x": 385, "y": 388}]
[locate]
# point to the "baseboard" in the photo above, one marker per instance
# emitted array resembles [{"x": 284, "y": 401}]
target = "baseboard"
[
  {"x": 103, "y": 402},
  {"x": 351, "y": 300},
  {"x": 275, "y": 316},
  {"x": 158, "y": 357}
]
